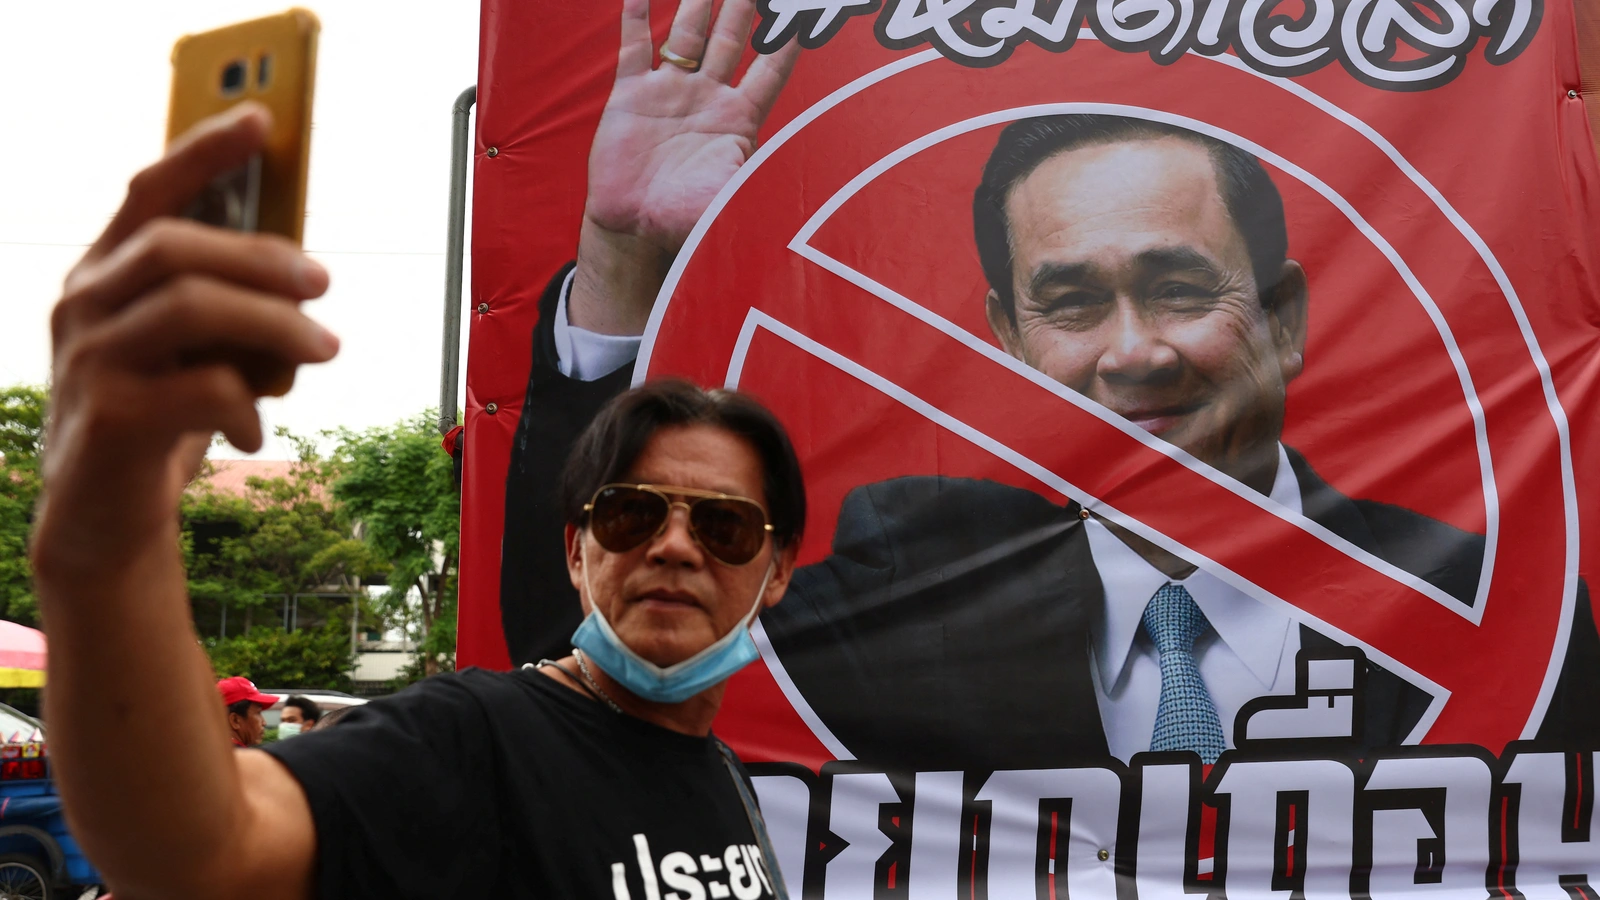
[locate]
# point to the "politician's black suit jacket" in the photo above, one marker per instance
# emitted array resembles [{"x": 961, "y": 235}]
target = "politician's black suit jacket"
[{"x": 949, "y": 627}]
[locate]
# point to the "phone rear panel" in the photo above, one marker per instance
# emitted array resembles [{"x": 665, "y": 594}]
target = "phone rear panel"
[{"x": 273, "y": 62}]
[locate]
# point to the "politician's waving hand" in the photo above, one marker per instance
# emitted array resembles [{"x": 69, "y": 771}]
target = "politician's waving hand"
[{"x": 676, "y": 127}]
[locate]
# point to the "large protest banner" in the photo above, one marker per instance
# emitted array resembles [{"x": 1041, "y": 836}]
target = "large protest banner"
[{"x": 1199, "y": 404}]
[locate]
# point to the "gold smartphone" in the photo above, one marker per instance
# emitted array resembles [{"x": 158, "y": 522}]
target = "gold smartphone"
[{"x": 273, "y": 62}]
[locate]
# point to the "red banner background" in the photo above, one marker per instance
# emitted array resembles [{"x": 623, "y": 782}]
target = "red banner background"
[{"x": 546, "y": 69}]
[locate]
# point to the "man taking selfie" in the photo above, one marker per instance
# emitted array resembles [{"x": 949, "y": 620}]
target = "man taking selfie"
[{"x": 591, "y": 776}]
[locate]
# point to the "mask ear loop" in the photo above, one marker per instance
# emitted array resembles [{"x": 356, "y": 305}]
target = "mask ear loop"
[{"x": 761, "y": 592}]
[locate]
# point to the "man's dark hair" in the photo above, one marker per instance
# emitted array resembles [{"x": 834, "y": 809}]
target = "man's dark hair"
[
  {"x": 1252, "y": 199},
  {"x": 240, "y": 708},
  {"x": 309, "y": 710},
  {"x": 613, "y": 441}
]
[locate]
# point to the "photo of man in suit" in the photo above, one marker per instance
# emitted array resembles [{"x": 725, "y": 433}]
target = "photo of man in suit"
[
  {"x": 967, "y": 624},
  {"x": 1145, "y": 267}
]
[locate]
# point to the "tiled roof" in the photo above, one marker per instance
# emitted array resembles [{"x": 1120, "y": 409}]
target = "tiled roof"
[{"x": 228, "y": 476}]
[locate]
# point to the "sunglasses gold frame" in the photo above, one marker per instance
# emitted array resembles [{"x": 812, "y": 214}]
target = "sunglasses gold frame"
[{"x": 667, "y": 492}]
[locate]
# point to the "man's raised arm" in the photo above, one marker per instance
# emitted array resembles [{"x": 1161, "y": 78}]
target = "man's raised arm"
[{"x": 148, "y": 339}]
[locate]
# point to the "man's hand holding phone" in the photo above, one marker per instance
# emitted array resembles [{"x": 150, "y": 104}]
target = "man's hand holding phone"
[{"x": 159, "y": 339}]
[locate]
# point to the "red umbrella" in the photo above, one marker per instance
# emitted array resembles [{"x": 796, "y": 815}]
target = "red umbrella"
[{"x": 22, "y": 655}]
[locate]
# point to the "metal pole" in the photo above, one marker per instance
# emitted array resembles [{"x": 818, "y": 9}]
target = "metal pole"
[{"x": 455, "y": 242}]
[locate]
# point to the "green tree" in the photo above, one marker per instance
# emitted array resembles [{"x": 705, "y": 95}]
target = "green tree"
[
  {"x": 22, "y": 415},
  {"x": 247, "y": 552},
  {"x": 384, "y": 503},
  {"x": 399, "y": 486},
  {"x": 272, "y": 657}
]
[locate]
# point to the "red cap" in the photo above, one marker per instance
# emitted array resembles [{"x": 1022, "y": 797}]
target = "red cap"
[{"x": 241, "y": 688}]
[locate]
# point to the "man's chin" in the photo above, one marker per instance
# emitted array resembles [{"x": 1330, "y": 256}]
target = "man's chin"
[
  {"x": 1256, "y": 469},
  {"x": 1194, "y": 438},
  {"x": 666, "y": 649}
]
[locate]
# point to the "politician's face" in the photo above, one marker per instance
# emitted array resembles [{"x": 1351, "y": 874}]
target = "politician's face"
[{"x": 1134, "y": 288}]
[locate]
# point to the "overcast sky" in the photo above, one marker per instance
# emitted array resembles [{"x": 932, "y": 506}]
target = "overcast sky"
[{"x": 85, "y": 94}]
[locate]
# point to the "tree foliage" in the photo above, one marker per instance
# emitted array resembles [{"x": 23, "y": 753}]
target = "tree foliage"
[
  {"x": 399, "y": 485},
  {"x": 272, "y": 657},
  {"x": 248, "y": 553},
  {"x": 383, "y": 504},
  {"x": 282, "y": 536},
  {"x": 22, "y": 413}
]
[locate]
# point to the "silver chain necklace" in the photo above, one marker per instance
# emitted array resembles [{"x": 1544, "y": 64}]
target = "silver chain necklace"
[{"x": 583, "y": 666}]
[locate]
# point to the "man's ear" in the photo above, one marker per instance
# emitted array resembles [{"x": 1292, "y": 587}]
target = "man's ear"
[
  {"x": 1286, "y": 307},
  {"x": 782, "y": 571},
  {"x": 574, "y": 539},
  {"x": 1002, "y": 323}
]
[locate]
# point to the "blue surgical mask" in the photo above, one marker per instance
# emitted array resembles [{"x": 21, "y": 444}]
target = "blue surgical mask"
[
  {"x": 679, "y": 681},
  {"x": 288, "y": 730}
]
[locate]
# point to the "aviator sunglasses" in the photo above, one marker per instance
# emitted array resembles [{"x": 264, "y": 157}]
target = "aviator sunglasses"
[{"x": 731, "y": 529}]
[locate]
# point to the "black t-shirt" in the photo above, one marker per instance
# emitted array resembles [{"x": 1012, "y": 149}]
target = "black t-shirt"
[{"x": 509, "y": 785}]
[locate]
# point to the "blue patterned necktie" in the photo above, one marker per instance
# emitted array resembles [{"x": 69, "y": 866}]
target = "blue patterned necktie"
[{"x": 1186, "y": 719}]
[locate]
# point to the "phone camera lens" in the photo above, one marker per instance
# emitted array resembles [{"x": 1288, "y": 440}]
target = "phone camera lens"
[
  {"x": 263, "y": 70},
  {"x": 233, "y": 77}
]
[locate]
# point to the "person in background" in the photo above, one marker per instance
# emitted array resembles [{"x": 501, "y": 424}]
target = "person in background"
[
  {"x": 245, "y": 703},
  {"x": 300, "y": 715}
]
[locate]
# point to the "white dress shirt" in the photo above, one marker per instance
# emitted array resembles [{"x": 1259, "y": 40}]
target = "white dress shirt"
[
  {"x": 1249, "y": 651},
  {"x": 589, "y": 355}
]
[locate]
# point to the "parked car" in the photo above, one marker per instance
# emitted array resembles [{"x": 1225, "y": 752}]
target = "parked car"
[
  {"x": 326, "y": 700},
  {"x": 39, "y": 860}
]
